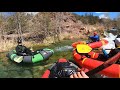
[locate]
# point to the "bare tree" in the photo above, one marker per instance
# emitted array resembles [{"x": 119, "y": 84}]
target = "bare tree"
[
  {"x": 2, "y": 26},
  {"x": 58, "y": 25},
  {"x": 118, "y": 20}
]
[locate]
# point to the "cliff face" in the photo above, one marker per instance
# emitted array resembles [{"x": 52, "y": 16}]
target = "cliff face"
[
  {"x": 74, "y": 27},
  {"x": 67, "y": 22}
]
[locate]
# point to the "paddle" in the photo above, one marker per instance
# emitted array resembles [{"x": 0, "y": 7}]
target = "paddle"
[
  {"x": 106, "y": 64},
  {"x": 84, "y": 48}
]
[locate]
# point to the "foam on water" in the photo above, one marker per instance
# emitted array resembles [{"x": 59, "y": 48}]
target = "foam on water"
[{"x": 63, "y": 48}]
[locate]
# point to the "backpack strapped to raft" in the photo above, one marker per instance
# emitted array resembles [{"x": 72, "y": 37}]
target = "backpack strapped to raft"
[{"x": 62, "y": 69}]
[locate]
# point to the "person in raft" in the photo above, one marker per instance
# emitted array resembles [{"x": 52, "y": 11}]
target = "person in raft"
[
  {"x": 64, "y": 69},
  {"x": 95, "y": 37},
  {"x": 22, "y": 50},
  {"x": 109, "y": 50},
  {"x": 117, "y": 49}
]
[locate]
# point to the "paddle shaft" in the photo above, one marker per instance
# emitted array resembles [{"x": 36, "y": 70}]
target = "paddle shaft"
[
  {"x": 100, "y": 49},
  {"x": 104, "y": 65},
  {"x": 84, "y": 48}
]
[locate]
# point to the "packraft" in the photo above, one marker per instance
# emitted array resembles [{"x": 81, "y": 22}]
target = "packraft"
[{"x": 37, "y": 56}]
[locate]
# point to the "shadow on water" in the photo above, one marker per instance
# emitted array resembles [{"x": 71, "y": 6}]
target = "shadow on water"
[{"x": 25, "y": 70}]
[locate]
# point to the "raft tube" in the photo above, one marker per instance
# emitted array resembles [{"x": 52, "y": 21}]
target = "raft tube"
[
  {"x": 112, "y": 71},
  {"x": 76, "y": 43},
  {"x": 98, "y": 44},
  {"x": 40, "y": 55},
  {"x": 89, "y": 63},
  {"x": 92, "y": 45}
]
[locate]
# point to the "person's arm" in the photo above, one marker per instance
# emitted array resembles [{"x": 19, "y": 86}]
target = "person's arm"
[
  {"x": 18, "y": 49},
  {"x": 91, "y": 37},
  {"x": 95, "y": 37},
  {"x": 27, "y": 50}
]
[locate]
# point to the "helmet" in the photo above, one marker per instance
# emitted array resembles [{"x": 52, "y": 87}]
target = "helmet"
[
  {"x": 19, "y": 41},
  {"x": 95, "y": 33}
]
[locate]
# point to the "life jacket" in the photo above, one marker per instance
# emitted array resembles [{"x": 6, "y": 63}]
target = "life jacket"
[
  {"x": 22, "y": 50},
  {"x": 95, "y": 38}
]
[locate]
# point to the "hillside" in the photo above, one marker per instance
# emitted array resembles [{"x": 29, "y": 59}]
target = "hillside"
[
  {"x": 48, "y": 27},
  {"x": 71, "y": 25}
]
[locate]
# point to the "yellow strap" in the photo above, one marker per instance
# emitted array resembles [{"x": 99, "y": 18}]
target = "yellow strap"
[
  {"x": 75, "y": 54},
  {"x": 93, "y": 55},
  {"x": 103, "y": 43},
  {"x": 118, "y": 47},
  {"x": 74, "y": 49},
  {"x": 83, "y": 60}
]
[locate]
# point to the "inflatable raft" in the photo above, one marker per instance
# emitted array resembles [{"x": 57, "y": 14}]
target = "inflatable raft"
[
  {"x": 39, "y": 55},
  {"x": 89, "y": 63}
]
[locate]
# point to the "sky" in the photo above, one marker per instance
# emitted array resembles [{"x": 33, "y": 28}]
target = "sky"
[{"x": 110, "y": 15}]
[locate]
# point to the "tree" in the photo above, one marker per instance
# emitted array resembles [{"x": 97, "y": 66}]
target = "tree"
[
  {"x": 14, "y": 20},
  {"x": 58, "y": 19},
  {"x": 2, "y": 25},
  {"x": 118, "y": 20}
]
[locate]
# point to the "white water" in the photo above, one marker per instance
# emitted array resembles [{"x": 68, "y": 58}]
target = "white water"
[{"x": 63, "y": 48}]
